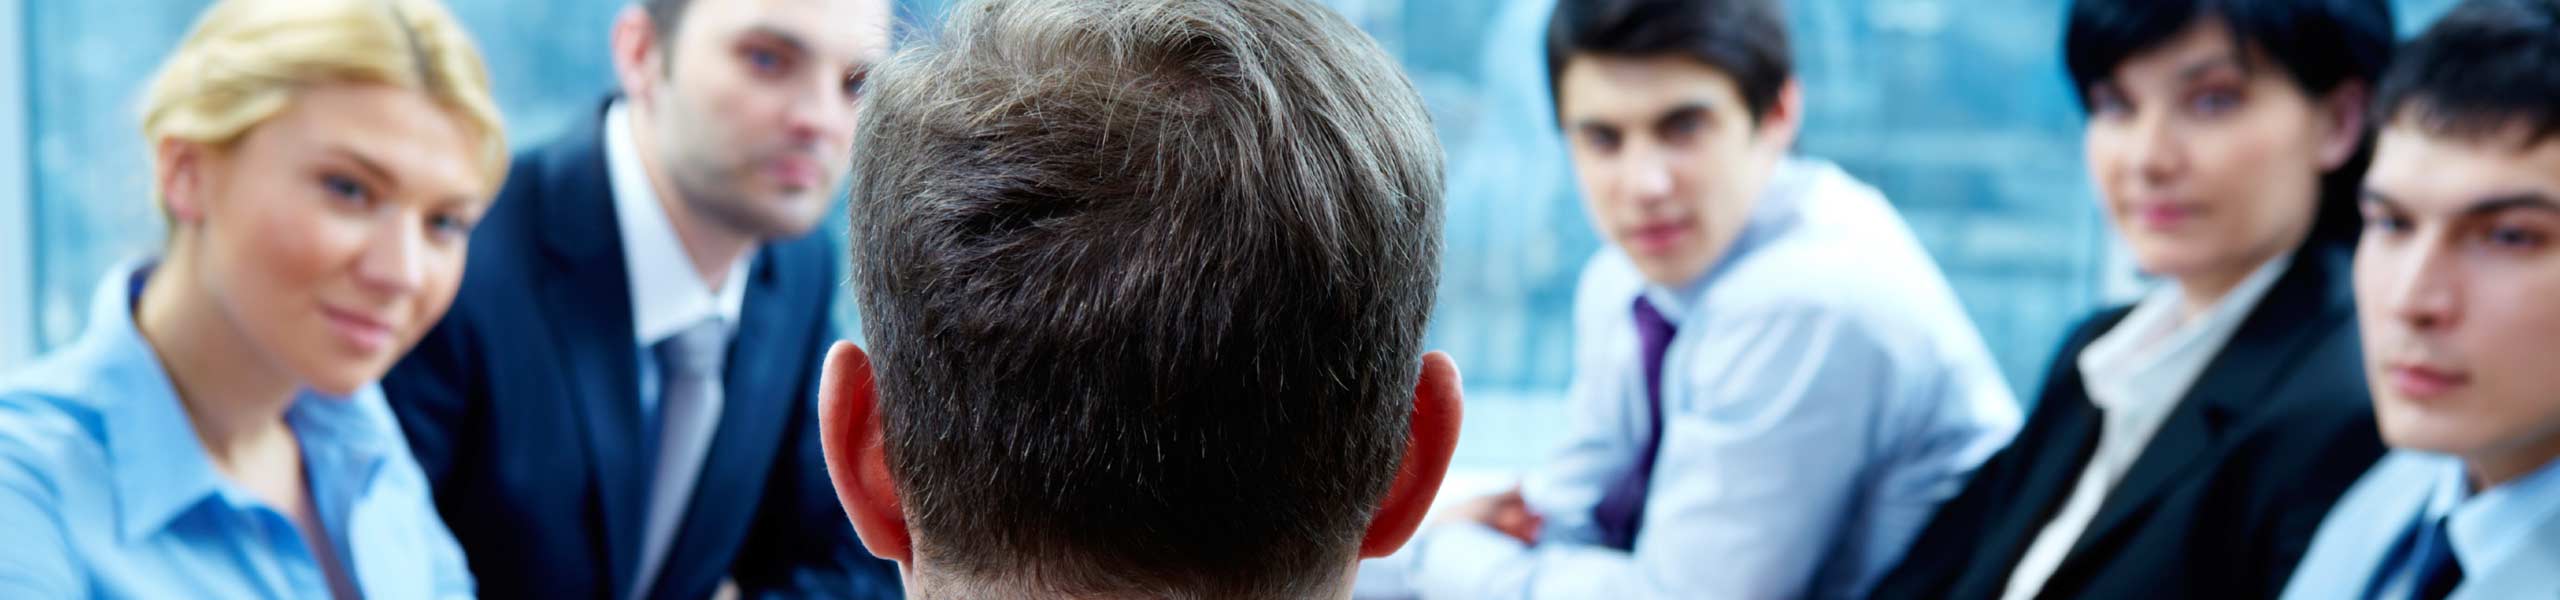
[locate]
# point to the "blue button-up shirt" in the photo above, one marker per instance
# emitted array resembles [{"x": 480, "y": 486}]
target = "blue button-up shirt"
[
  {"x": 105, "y": 491},
  {"x": 2488, "y": 530},
  {"x": 1824, "y": 393}
]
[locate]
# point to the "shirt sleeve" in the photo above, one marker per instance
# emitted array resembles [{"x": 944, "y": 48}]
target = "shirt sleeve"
[{"x": 1760, "y": 465}]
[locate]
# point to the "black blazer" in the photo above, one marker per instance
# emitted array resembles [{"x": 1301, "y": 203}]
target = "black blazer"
[
  {"x": 522, "y": 405},
  {"x": 2225, "y": 498}
]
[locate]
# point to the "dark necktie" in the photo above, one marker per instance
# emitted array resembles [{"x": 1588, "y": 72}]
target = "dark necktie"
[
  {"x": 1621, "y": 508},
  {"x": 2437, "y": 579}
]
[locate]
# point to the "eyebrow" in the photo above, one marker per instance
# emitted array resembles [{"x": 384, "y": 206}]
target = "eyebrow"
[
  {"x": 370, "y": 167},
  {"x": 781, "y": 36},
  {"x": 2532, "y": 201},
  {"x": 2493, "y": 204},
  {"x": 1698, "y": 107},
  {"x": 2198, "y": 70}
]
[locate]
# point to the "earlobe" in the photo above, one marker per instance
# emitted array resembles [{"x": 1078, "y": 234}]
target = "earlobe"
[
  {"x": 1436, "y": 414},
  {"x": 857, "y": 462}
]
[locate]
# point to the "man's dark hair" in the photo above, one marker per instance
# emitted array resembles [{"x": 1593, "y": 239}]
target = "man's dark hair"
[
  {"x": 1745, "y": 39},
  {"x": 2320, "y": 44},
  {"x": 1145, "y": 283},
  {"x": 664, "y": 16},
  {"x": 2487, "y": 66}
]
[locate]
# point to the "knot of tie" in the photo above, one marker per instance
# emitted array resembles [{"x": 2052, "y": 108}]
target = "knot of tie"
[{"x": 697, "y": 350}]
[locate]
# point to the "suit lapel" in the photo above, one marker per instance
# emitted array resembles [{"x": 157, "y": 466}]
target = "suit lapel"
[
  {"x": 2234, "y": 389},
  {"x": 586, "y": 298}
]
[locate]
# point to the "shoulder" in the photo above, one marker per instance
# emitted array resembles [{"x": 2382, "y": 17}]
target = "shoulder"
[
  {"x": 809, "y": 267},
  {"x": 46, "y": 441}
]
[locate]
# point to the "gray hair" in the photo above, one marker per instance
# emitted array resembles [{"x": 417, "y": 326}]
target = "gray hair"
[{"x": 1145, "y": 283}]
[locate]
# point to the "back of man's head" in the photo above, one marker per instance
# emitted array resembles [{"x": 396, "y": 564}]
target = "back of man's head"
[{"x": 1144, "y": 284}]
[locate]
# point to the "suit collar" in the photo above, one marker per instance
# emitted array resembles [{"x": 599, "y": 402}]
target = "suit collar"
[
  {"x": 2310, "y": 300},
  {"x": 574, "y": 192}
]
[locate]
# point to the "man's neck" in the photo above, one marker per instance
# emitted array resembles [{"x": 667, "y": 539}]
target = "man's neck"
[{"x": 2492, "y": 469}]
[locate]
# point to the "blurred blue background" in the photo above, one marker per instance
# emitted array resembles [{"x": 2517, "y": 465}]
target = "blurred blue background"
[{"x": 1958, "y": 110}]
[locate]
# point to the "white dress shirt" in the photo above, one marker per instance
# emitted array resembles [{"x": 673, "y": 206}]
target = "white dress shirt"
[
  {"x": 1823, "y": 394},
  {"x": 2136, "y": 373},
  {"x": 667, "y": 294}
]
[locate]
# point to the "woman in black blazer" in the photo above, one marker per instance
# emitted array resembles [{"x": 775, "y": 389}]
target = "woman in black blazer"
[{"x": 2186, "y": 446}]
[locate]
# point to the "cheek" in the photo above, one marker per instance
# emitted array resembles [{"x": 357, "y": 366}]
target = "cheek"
[
  {"x": 1599, "y": 186},
  {"x": 2516, "y": 324},
  {"x": 2098, "y": 146},
  {"x": 2258, "y": 172},
  {"x": 435, "y": 292},
  {"x": 291, "y": 245}
]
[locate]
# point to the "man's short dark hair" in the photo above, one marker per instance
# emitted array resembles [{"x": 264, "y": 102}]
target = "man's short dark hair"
[
  {"x": 2320, "y": 44},
  {"x": 1145, "y": 282},
  {"x": 664, "y": 16},
  {"x": 2487, "y": 66},
  {"x": 1745, "y": 39}
]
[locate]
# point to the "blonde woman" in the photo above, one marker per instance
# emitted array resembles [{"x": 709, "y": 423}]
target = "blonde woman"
[{"x": 216, "y": 432}]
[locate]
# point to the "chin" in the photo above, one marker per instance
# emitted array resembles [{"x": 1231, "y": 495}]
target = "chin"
[
  {"x": 343, "y": 377},
  {"x": 2408, "y": 428},
  {"x": 2163, "y": 258},
  {"x": 1670, "y": 272}
]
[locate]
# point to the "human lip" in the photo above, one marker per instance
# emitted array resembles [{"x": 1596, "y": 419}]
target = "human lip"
[
  {"x": 2162, "y": 215},
  {"x": 366, "y": 334},
  {"x": 1660, "y": 237},
  {"x": 2424, "y": 382},
  {"x": 797, "y": 171}
]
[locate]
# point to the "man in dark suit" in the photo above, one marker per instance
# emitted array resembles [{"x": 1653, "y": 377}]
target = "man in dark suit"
[{"x": 619, "y": 404}]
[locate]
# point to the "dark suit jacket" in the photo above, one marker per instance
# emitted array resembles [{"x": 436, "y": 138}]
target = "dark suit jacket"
[
  {"x": 2225, "y": 498},
  {"x": 523, "y": 406}
]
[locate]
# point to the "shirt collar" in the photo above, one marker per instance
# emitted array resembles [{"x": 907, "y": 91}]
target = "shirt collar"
[
  {"x": 2489, "y": 526},
  {"x": 160, "y": 467},
  {"x": 1772, "y": 215},
  {"x": 2148, "y": 345},
  {"x": 667, "y": 294}
]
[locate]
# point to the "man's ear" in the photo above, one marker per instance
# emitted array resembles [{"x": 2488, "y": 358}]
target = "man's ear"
[
  {"x": 1436, "y": 409},
  {"x": 1784, "y": 119},
  {"x": 2346, "y": 108},
  {"x": 849, "y": 427},
  {"x": 638, "y": 54}
]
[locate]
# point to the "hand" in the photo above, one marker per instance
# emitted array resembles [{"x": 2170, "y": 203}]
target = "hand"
[{"x": 1505, "y": 512}]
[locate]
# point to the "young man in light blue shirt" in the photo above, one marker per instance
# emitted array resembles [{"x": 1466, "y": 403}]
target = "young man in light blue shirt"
[
  {"x": 2455, "y": 281},
  {"x": 1774, "y": 386}
]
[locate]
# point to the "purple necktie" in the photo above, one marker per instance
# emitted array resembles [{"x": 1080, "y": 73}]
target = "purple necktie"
[{"x": 1621, "y": 508}]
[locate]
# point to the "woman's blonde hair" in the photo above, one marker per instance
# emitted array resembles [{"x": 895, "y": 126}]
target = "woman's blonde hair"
[{"x": 245, "y": 60}]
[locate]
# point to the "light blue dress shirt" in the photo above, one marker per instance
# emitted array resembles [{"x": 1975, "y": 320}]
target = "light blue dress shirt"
[
  {"x": 1823, "y": 395},
  {"x": 2374, "y": 541},
  {"x": 105, "y": 491}
]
